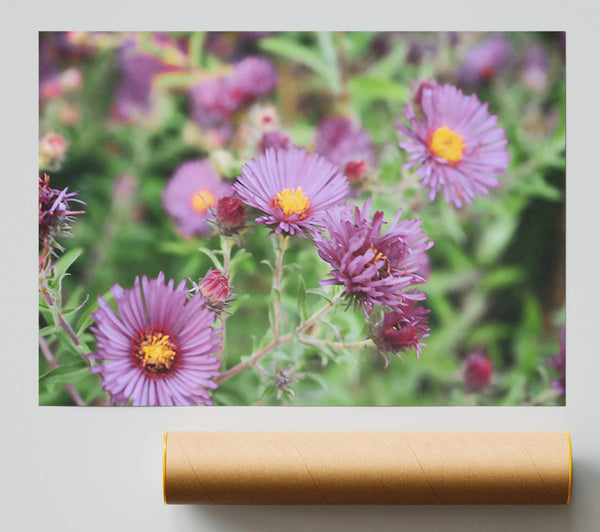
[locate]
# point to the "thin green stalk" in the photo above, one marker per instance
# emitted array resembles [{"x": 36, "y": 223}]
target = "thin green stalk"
[
  {"x": 276, "y": 342},
  {"x": 277, "y": 284},
  {"x": 227, "y": 245},
  {"x": 336, "y": 345}
]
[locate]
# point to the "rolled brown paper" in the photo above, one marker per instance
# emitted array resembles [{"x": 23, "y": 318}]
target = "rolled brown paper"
[{"x": 367, "y": 468}]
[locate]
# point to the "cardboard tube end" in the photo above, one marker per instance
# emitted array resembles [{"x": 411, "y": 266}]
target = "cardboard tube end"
[
  {"x": 164, "y": 467},
  {"x": 570, "y": 467}
]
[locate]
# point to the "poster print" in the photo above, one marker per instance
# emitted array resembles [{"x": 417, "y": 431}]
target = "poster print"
[{"x": 308, "y": 218}]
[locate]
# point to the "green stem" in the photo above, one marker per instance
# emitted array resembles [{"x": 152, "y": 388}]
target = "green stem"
[
  {"x": 49, "y": 356},
  {"x": 61, "y": 320},
  {"x": 276, "y": 342},
  {"x": 195, "y": 48},
  {"x": 227, "y": 245},
  {"x": 277, "y": 284},
  {"x": 336, "y": 345}
]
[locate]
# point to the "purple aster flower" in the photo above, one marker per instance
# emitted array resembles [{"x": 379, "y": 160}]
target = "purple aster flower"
[
  {"x": 211, "y": 102},
  {"x": 455, "y": 143},
  {"x": 138, "y": 70},
  {"x": 157, "y": 350},
  {"x": 191, "y": 193},
  {"x": 400, "y": 332},
  {"x": 253, "y": 77},
  {"x": 55, "y": 215},
  {"x": 292, "y": 187},
  {"x": 274, "y": 139},
  {"x": 559, "y": 364},
  {"x": 375, "y": 269},
  {"x": 484, "y": 60},
  {"x": 345, "y": 144}
]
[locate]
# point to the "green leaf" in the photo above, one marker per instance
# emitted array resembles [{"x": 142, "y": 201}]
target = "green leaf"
[
  {"x": 46, "y": 331},
  {"x": 63, "y": 374},
  {"x": 211, "y": 255},
  {"x": 496, "y": 238},
  {"x": 367, "y": 89},
  {"x": 64, "y": 263},
  {"x": 238, "y": 259},
  {"x": 502, "y": 277},
  {"x": 265, "y": 261},
  {"x": 290, "y": 49}
]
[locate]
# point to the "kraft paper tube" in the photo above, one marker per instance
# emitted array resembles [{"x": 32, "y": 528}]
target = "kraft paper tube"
[{"x": 367, "y": 467}]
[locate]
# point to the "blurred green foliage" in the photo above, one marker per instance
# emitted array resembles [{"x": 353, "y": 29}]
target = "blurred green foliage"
[{"x": 498, "y": 266}]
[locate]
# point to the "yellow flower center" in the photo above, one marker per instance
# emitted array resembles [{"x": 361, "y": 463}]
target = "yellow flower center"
[
  {"x": 446, "y": 144},
  {"x": 203, "y": 200},
  {"x": 155, "y": 352},
  {"x": 292, "y": 201}
]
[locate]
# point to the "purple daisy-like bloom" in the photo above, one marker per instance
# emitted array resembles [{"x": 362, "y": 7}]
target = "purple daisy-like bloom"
[
  {"x": 455, "y": 143},
  {"x": 485, "y": 60},
  {"x": 157, "y": 350},
  {"x": 292, "y": 187},
  {"x": 345, "y": 144},
  {"x": 191, "y": 193},
  {"x": 374, "y": 268}
]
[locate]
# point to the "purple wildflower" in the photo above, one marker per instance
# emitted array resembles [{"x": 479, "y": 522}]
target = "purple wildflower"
[
  {"x": 559, "y": 364},
  {"x": 400, "y": 332},
  {"x": 213, "y": 100},
  {"x": 455, "y": 143},
  {"x": 191, "y": 193},
  {"x": 138, "y": 71},
  {"x": 55, "y": 214},
  {"x": 252, "y": 77},
  {"x": 484, "y": 61},
  {"x": 274, "y": 139},
  {"x": 345, "y": 144},
  {"x": 375, "y": 269},
  {"x": 157, "y": 350},
  {"x": 292, "y": 187}
]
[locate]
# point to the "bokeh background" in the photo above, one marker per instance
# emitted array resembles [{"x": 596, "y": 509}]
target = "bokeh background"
[{"x": 497, "y": 283}]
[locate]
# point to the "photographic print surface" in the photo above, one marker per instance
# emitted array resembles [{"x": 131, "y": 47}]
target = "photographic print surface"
[{"x": 305, "y": 218}]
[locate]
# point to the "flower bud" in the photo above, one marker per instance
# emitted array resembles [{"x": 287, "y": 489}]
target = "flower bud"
[
  {"x": 52, "y": 150},
  {"x": 71, "y": 80},
  {"x": 400, "y": 332},
  {"x": 230, "y": 215},
  {"x": 355, "y": 170},
  {"x": 477, "y": 371},
  {"x": 216, "y": 290}
]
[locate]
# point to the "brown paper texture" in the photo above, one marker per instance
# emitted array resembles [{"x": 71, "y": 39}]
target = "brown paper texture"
[{"x": 367, "y": 468}]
